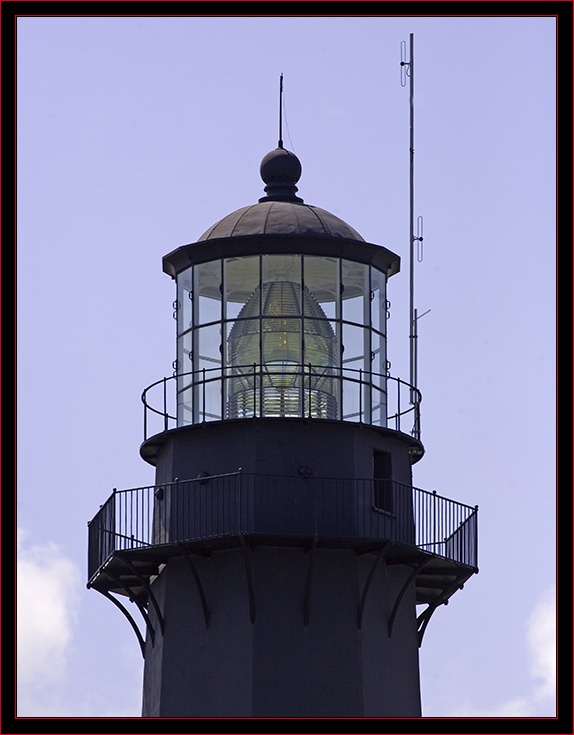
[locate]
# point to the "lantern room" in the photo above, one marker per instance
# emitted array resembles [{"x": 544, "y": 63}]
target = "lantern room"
[{"x": 281, "y": 311}]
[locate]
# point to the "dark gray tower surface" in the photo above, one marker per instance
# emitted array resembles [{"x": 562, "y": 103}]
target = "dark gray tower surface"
[{"x": 283, "y": 563}]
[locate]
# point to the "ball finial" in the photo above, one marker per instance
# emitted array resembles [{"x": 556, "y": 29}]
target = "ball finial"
[{"x": 281, "y": 170}]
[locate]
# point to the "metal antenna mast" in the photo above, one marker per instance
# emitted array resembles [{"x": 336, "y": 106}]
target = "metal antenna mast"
[
  {"x": 281, "y": 111},
  {"x": 408, "y": 69},
  {"x": 411, "y": 73}
]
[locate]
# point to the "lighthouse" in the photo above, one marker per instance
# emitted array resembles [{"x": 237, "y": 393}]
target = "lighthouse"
[{"x": 283, "y": 564}]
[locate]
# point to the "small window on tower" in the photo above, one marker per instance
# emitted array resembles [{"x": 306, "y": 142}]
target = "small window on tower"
[{"x": 383, "y": 485}]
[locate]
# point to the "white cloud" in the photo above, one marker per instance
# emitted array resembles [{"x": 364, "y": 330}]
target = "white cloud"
[
  {"x": 47, "y": 604},
  {"x": 49, "y": 589},
  {"x": 541, "y": 644},
  {"x": 541, "y": 638}
]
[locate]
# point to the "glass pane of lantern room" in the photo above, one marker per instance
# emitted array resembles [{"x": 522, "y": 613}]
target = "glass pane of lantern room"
[
  {"x": 208, "y": 378},
  {"x": 184, "y": 300},
  {"x": 281, "y": 339},
  {"x": 282, "y": 378},
  {"x": 209, "y": 399},
  {"x": 241, "y": 279},
  {"x": 243, "y": 344},
  {"x": 208, "y": 348},
  {"x": 355, "y": 292},
  {"x": 284, "y": 269},
  {"x": 185, "y": 407},
  {"x": 320, "y": 343},
  {"x": 355, "y": 347},
  {"x": 355, "y": 371},
  {"x": 378, "y": 380},
  {"x": 378, "y": 348},
  {"x": 207, "y": 292},
  {"x": 378, "y": 301},
  {"x": 321, "y": 279},
  {"x": 321, "y": 371},
  {"x": 184, "y": 358},
  {"x": 184, "y": 364},
  {"x": 242, "y": 375}
]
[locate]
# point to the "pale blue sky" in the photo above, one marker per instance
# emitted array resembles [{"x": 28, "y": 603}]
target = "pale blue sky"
[{"x": 135, "y": 134}]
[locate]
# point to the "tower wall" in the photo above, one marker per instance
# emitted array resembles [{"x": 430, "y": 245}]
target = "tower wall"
[
  {"x": 303, "y": 655},
  {"x": 331, "y": 449}
]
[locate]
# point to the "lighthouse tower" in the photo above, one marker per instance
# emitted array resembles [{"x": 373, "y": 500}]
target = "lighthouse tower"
[{"x": 283, "y": 563}]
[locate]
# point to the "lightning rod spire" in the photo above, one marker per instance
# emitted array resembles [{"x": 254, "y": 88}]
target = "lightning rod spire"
[{"x": 280, "y": 145}]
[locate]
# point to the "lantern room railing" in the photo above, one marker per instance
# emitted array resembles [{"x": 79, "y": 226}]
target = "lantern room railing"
[
  {"x": 238, "y": 503},
  {"x": 296, "y": 391}
]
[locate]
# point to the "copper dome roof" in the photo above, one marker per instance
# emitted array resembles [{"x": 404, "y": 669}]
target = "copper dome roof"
[
  {"x": 281, "y": 218},
  {"x": 281, "y": 212}
]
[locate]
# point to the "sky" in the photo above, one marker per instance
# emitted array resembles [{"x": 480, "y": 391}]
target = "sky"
[{"x": 135, "y": 135}]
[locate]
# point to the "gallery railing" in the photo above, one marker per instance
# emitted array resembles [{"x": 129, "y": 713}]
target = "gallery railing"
[
  {"x": 303, "y": 391},
  {"x": 238, "y": 504}
]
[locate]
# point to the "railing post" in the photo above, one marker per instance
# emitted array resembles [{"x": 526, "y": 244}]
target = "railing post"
[
  {"x": 434, "y": 517},
  {"x": 417, "y": 427},
  {"x": 310, "y": 414},
  {"x": 165, "y": 404},
  {"x": 223, "y": 391},
  {"x": 203, "y": 393},
  {"x": 115, "y": 519},
  {"x": 475, "y": 536},
  {"x": 340, "y": 392},
  {"x": 261, "y": 401}
]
